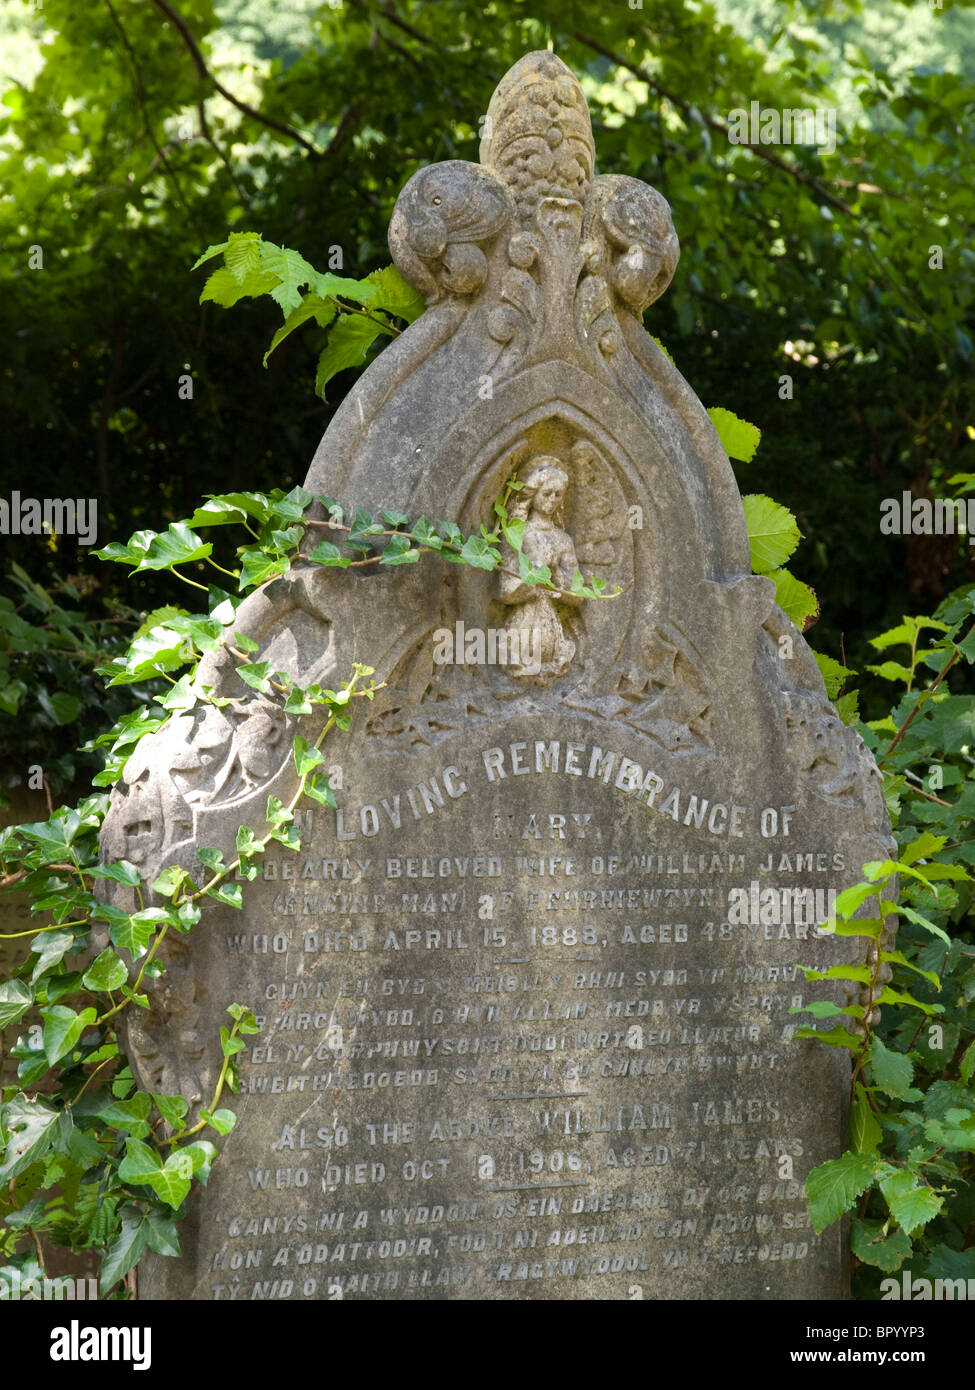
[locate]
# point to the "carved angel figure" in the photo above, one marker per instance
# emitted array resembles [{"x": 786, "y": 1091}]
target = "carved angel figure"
[{"x": 536, "y": 622}]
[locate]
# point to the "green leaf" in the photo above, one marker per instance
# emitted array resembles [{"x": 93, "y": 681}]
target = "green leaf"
[
  {"x": 134, "y": 932},
  {"x": 923, "y": 847},
  {"x": 966, "y": 1068},
  {"x": 172, "y": 1108},
  {"x": 228, "y": 893},
  {"x": 15, "y": 1000},
  {"x": 738, "y": 438},
  {"x": 51, "y": 947},
  {"x": 106, "y": 972},
  {"x": 834, "y": 1186},
  {"x": 230, "y": 1045},
  {"x": 328, "y": 554},
  {"x": 865, "y": 1131},
  {"x": 130, "y": 1116},
  {"x": 306, "y": 758},
  {"x": 797, "y": 600},
  {"x": 162, "y": 1235},
  {"x": 891, "y": 1072},
  {"x": 318, "y": 788},
  {"x": 394, "y": 295},
  {"x": 349, "y": 340},
  {"x": 772, "y": 532},
  {"x": 873, "y": 1247},
  {"x": 242, "y": 254},
  {"x": 125, "y": 1250},
  {"x": 256, "y": 567},
  {"x": 121, "y": 872},
  {"x": 834, "y": 674},
  {"x": 312, "y": 306},
  {"x": 291, "y": 272},
  {"x": 62, "y": 1029},
  {"x": 31, "y": 1126},
  {"x": 911, "y": 1204},
  {"x": 222, "y": 1121},
  {"x": 225, "y": 289}
]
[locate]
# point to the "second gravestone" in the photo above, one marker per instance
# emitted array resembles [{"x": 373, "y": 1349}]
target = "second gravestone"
[{"x": 514, "y": 1044}]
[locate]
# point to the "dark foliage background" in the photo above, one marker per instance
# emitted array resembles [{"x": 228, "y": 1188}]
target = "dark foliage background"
[{"x": 137, "y": 132}]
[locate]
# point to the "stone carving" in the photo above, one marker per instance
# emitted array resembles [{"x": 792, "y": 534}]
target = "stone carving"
[
  {"x": 537, "y": 615},
  {"x": 210, "y": 759},
  {"x": 833, "y": 758},
  {"x": 441, "y": 220}
]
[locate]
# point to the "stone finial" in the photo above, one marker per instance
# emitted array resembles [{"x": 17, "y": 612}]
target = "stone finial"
[{"x": 538, "y": 136}]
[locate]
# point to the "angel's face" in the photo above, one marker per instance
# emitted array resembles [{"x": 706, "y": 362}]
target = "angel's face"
[{"x": 549, "y": 497}]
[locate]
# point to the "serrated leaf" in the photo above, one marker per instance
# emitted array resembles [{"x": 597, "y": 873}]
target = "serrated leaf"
[
  {"x": 872, "y": 1247},
  {"x": 911, "y": 1204},
  {"x": 291, "y": 272},
  {"x": 225, "y": 289},
  {"x": 865, "y": 1131},
  {"x": 349, "y": 340},
  {"x": 834, "y": 674},
  {"x": 834, "y": 1186},
  {"x": 312, "y": 306},
  {"x": 772, "y": 532},
  {"x": 891, "y": 1072},
  {"x": 395, "y": 295}
]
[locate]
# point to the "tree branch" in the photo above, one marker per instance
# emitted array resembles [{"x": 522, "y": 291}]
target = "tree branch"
[
  {"x": 713, "y": 124},
  {"x": 205, "y": 75}
]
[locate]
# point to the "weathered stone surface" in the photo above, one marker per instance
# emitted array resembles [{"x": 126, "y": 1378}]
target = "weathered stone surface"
[{"x": 512, "y": 1046}]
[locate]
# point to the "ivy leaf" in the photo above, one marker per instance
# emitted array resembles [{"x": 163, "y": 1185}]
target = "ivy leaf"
[
  {"x": 228, "y": 893},
  {"x": 126, "y": 1249},
  {"x": 834, "y": 1186},
  {"x": 31, "y": 1126},
  {"x": 319, "y": 790},
  {"x": 161, "y": 1234},
  {"x": 106, "y": 972},
  {"x": 62, "y": 1029},
  {"x": 328, "y": 554},
  {"x": 172, "y": 1108},
  {"x": 306, "y": 758},
  {"x": 256, "y": 567},
  {"x": 130, "y": 1116},
  {"x": 738, "y": 438},
  {"x": 51, "y": 947},
  {"x": 222, "y": 1121},
  {"x": 912, "y": 1204},
  {"x": 772, "y": 532},
  {"x": 399, "y": 552},
  {"x": 15, "y": 1000}
]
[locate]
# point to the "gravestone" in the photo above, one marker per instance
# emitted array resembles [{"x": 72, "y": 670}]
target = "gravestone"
[{"x": 513, "y": 1045}]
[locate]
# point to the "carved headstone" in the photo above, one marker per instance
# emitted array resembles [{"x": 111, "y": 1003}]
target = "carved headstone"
[{"x": 512, "y": 1047}]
